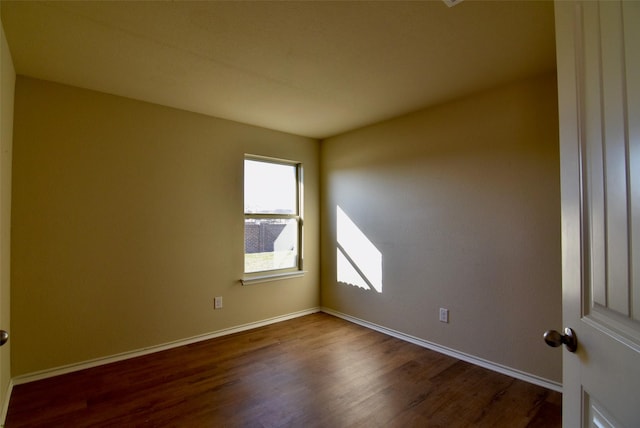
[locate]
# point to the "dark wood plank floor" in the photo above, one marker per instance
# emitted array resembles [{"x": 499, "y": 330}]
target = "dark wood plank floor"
[{"x": 313, "y": 371}]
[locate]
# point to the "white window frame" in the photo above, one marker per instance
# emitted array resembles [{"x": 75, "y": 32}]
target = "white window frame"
[{"x": 276, "y": 274}]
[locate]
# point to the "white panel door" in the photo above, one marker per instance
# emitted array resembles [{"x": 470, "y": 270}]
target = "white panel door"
[{"x": 598, "y": 52}]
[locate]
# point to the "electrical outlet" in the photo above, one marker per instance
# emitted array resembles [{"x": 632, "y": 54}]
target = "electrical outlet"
[
  {"x": 444, "y": 315},
  {"x": 217, "y": 302}
]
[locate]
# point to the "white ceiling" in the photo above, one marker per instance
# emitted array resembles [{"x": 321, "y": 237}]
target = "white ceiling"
[{"x": 310, "y": 68}]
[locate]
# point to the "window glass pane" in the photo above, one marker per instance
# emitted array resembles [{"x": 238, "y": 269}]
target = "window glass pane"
[
  {"x": 269, "y": 188},
  {"x": 270, "y": 244}
]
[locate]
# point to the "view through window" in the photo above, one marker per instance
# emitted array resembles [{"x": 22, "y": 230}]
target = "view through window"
[{"x": 272, "y": 218}]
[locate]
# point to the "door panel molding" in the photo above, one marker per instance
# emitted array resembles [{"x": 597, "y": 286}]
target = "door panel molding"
[{"x": 598, "y": 50}]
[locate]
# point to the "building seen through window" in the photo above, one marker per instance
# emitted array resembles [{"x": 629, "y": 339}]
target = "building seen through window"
[{"x": 272, "y": 215}]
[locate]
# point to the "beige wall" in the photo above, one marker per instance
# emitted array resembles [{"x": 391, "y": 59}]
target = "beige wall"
[
  {"x": 7, "y": 84},
  {"x": 126, "y": 224},
  {"x": 127, "y": 221},
  {"x": 462, "y": 201}
]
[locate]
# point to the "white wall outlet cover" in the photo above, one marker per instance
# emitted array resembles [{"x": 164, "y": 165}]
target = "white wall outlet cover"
[
  {"x": 451, "y": 3},
  {"x": 444, "y": 315}
]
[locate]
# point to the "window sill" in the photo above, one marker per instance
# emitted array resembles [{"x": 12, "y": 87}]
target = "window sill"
[{"x": 250, "y": 280}]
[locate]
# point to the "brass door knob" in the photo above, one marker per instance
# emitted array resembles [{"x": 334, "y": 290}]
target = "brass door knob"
[{"x": 4, "y": 336}]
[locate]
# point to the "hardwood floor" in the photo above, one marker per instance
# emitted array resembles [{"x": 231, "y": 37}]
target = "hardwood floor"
[{"x": 313, "y": 371}]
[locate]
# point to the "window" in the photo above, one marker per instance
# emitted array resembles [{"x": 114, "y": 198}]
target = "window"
[{"x": 272, "y": 215}]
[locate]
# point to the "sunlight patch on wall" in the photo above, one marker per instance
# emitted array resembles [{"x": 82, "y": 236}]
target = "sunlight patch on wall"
[{"x": 359, "y": 262}]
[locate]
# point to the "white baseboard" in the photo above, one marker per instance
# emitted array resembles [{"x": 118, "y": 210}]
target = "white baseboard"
[
  {"x": 44, "y": 374},
  {"x": 5, "y": 404},
  {"x": 518, "y": 374}
]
